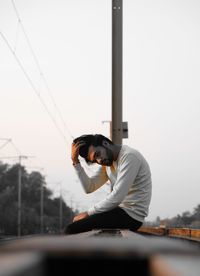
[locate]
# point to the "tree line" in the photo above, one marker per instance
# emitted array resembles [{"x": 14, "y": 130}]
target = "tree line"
[
  {"x": 185, "y": 220},
  {"x": 31, "y": 186}
]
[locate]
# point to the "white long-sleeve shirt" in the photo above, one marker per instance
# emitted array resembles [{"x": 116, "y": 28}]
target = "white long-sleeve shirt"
[{"x": 130, "y": 180}]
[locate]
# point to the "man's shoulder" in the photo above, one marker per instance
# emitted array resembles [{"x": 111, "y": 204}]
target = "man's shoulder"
[
  {"x": 130, "y": 152},
  {"x": 127, "y": 151}
]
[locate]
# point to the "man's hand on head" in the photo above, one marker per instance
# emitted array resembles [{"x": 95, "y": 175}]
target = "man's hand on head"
[
  {"x": 80, "y": 216},
  {"x": 75, "y": 151}
]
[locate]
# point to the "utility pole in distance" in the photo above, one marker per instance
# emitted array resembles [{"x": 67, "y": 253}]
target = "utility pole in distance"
[
  {"x": 19, "y": 211},
  {"x": 20, "y": 157},
  {"x": 116, "y": 124}
]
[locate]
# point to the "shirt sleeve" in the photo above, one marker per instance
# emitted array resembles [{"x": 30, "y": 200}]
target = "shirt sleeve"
[
  {"x": 91, "y": 184},
  {"x": 127, "y": 172}
]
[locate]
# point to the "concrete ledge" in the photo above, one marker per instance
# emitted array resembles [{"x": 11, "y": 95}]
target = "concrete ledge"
[
  {"x": 109, "y": 251},
  {"x": 21, "y": 263}
]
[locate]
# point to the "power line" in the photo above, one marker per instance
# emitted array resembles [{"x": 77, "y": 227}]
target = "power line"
[
  {"x": 34, "y": 88},
  {"x": 5, "y": 143},
  {"x": 8, "y": 140},
  {"x": 15, "y": 147},
  {"x": 39, "y": 68},
  {"x": 17, "y": 35}
]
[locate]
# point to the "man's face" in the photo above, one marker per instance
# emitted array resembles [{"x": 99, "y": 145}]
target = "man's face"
[{"x": 100, "y": 155}]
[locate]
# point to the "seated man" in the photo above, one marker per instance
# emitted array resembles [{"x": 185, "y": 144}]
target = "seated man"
[{"x": 130, "y": 178}]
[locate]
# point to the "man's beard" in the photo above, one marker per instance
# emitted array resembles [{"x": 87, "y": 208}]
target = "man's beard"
[{"x": 109, "y": 160}]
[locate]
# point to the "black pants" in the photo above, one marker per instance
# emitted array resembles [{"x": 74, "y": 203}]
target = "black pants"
[{"x": 116, "y": 218}]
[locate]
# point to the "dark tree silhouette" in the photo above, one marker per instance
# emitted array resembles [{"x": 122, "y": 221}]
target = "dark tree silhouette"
[{"x": 31, "y": 185}]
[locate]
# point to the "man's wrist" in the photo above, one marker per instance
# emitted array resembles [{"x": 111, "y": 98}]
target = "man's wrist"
[{"x": 75, "y": 162}]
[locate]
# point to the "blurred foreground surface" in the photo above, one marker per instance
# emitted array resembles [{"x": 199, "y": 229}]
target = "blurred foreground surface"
[{"x": 97, "y": 252}]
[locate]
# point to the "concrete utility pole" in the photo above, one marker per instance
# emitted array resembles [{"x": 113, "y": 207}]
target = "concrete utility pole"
[
  {"x": 19, "y": 198},
  {"x": 19, "y": 211},
  {"x": 116, "y": 124}
]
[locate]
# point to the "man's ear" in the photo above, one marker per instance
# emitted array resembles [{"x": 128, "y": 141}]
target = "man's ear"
[{"x": 105, "y": 144}]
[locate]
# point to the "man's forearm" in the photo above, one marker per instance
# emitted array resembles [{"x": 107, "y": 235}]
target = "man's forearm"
[{"x": 90, "y": 184}]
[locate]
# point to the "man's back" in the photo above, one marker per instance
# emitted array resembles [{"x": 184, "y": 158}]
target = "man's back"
[{"x": 136, "y": 201}]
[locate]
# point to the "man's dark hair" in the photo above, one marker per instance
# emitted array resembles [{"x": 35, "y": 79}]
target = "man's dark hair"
[{"x": 90, "y": 140}]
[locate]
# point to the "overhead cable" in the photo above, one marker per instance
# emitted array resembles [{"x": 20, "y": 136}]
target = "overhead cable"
[
  {"x": 15, "y": 147},
  {"x": 4, "y": 144},
  {"x": 33, "y": 86},
  {"x": 39, "y": 68}
]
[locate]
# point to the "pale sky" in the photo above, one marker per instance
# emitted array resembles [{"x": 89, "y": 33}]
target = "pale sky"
[{"x": 72, "y": 42}]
